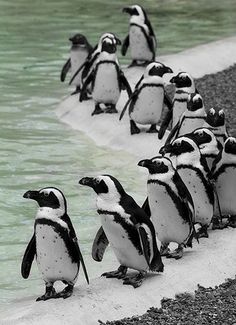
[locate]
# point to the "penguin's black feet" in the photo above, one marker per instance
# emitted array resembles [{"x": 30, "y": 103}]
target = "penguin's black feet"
[
  {"x": 134, "y": 63},
  {"x": 232, "y": 222},
  {"x": 177, "y": 253},
  {"x": 111, "y": 109},
  {"x": 97, "y": 110},
  {"x": 77, "y": 91},
  {"x": 152, "y": 129},
  {"x": 49, "y": 294},
  {"x": 66, "y": 293},
  {"x": 202, "y": 232},
  {"x": 135, "y": 281},
  {"x": 217, "y": 223},
  {"x": 133, "y": 128},
  {"x": 164, "y": 249},
  {"x": 119, "y": 274}
]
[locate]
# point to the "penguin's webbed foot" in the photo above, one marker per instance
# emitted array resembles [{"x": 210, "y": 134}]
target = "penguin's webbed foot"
[
  {"x": 232, "y": 222},
  {"x": 119, "y": 274},
  {"x": 97, "y": 110},
  {"x": 164, "y": 249},
  {"x": 217, "y": 223},
  {"x": 133, "y": 128},
  {"x": 49, "y": 294},
  {"x": 177, "y": 253},
  {"x": 202, "y": 232},
  {"x": 135, "y": 281},
  {"x": 66, "y": 292},
  {"x": 152, "y": 129},
  {"x": 136, "y": 63},
  {"x": 77, "y": 91},
  {"x": 111, "y": 109}
]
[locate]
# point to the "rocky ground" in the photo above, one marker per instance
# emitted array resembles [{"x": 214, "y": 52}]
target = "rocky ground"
[{"x": 207, "y": 305}]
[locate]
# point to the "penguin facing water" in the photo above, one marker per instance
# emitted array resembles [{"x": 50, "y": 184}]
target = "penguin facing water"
[
  {"x": 79, "y": 52},
  {"x": 184, "y": 85},
  {"x": 127, "y": 228},
  {"x": 147, "y": 100},
  {"x": 54, "y": 244},
  {"x": 171, "y": 205},
  {"x": 107, "y": 80},
  {"x": 141, "y": 38}
]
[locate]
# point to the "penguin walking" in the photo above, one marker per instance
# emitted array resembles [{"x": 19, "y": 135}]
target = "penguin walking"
[
  {"x": 193, "y": 118},
  {"x": 147, "y": 100},
  {"x": 194, "y": 172},
  {"x": 107, "y": 80},
  {"x": 171, "y": 205},
  {"x": 215, "y": 121},
  {"x": 141, "y": 38},
  {"x": 54, "y": 244},
  {"x": 79, "y": 52},
  {"x": 224, "y": 175},
  {"x": 184, "y": 85},
  {"x": 127, "y": 228}
]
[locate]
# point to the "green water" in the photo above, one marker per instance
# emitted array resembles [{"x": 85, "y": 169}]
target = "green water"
[{"x": 36, "y": 149}]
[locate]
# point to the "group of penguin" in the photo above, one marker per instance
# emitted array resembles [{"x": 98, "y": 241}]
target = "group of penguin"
[{"x": 190, "y": 183}]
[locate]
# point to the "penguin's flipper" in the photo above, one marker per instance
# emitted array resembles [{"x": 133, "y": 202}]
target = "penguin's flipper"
[
  {"x": 124, "y": 83},
  {"x": 76, "y": 73},
  {"x": 80, "y": 256},
  {"x": 125, "y": 45},
  {"x": 100, "y": 244},
  {"x": 66, "y": 67},
  {"x": 168, "y": 101},
  {"x": 28, "y": 257},
  {"x": 173, "y": 133},
  {"x": 139, "y": 82},
  {"x": 88, "y": 64},
  {"x": 85, "y": 85},
  {"x": 144, "y": 242},
  {"x": 146, "y": 208},
  {"x": 165, "y": 123}
]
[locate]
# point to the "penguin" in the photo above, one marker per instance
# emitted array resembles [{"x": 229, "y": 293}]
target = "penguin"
[
  {"x": 209, "y": 146},
  {"x": 107, "y": 80},
  {"x": 127, "y": 228},
  {"x": 184, "y": 85},
  {"x": 224, "y": 176},
  {"x": 215, "y": 121},
  {"x": 141, "y": 38},
  {"x": 54, "y": 244},
  {"x": 193, "y": 118},
  {"x": 171, "y": 205},
  {"x": 194, "y": 173},
  {"x": 88, "y": 65},
  {"x": 147, "y": 100},
  {"x": 79, "y": 52}
]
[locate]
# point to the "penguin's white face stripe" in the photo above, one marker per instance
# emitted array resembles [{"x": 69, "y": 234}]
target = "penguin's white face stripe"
[
  {"x": 212, "y": 111},
  {"x": 221, "y": 112},
  {"x": 58, "y": 194}
]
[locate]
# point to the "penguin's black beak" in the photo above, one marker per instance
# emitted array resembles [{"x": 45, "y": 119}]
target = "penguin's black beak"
[
  {"x": 166, "y": 149},
  {"x": 87, "y": 181},
  {"x": 33, "y": 195},
  {"x": 128, "y": 10},
  {"x": 145, "y": 163},
  {"x": 169, "y": 70}
]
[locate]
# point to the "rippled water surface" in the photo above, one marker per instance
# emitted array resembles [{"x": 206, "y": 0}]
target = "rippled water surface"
[{"x": 36, "y": 149}]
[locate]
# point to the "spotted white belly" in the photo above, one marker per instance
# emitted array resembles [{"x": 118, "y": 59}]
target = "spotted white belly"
[
  {"x": 148, "y": 106},
  {"x": 190, "y": 124},
  {"x": 169, "y": 225},
  {"x": 123, "y": 248},
  {"x": 53, "y": 259},
  {"x": 78, "y": 57},
  {"x": 203, "y": 208},
  {"x": 139, "y": 49},
  {"x": 225, "y": 187},
  {"x": 106, "y": 86}
]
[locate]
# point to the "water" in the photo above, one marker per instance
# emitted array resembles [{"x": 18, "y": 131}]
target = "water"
[{"x": 36, "y": 149}]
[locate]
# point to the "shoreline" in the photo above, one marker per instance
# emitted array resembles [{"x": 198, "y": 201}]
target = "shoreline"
[{"x": 108, "y": 299}]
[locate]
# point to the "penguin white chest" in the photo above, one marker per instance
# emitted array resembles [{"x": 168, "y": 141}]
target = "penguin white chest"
[
  {"x": 78, "y": 57},
  {"x": 189, "y": 124},
  {"x": 168, "y": 223},
  {"x": 106, "y": 86},
  {"x": 203, "y": 207},
  {"x": 125, "y": 251},
  {"x": 225, "y": 187},
  {"x": 139, "y": 49},
  {"x": 53, "y": 258},
  {"x": 148, "y": 106}
]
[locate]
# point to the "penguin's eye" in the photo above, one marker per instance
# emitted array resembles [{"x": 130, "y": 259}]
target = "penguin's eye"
[
  {"x": 97, "y": 181},
  {"x": 46, "y": 194},
  {"x": 178, "y": 144},
  {"x": 158, "y": 163},
  {"x": 201, "y": 134}
]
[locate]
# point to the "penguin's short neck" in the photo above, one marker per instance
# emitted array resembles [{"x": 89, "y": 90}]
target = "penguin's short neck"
[
  {"x": 153, "y": 79},
  {"x": 198, "y": 112},
  {"x": 209, "y": 148},
  {"x": 162, "y": 177},
  {"x": 139, "y": 20},
  {"x": 51, "y": 214},
  {"x": 189, "y": 158},
  {"x": 105, "y": 56}
]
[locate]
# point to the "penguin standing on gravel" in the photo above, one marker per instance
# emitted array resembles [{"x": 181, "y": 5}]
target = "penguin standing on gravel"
[
  {"x": 193, "y": 118},
  {"x": 147, "y": 100},
  {"x": 79, "y": 52},
  {"x": 107, "y": 80},
  {"x": 184, "y": 85},
  {"x": 141, "y": 38},
  {"x": 194, "y": 172},
  {"x": 215, "y": 121},
  {"x": 127, "y": 228},
  {"x": 171, "y": 205},
  {"x": 54, "y": 244},
  {"x": 224, "y": 175}
]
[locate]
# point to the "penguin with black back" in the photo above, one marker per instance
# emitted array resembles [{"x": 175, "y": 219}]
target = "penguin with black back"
[
  {"x": 80, "y": 50},
  {"x": 54, "y": 244},
  {"x": 107, "y": 80},
  {"x": 141, "y": 38},
  {"x": 148, "y": 98},
  {"x": 127, "y": 228},
  {"x": 171, "y": 206},
  {"x": 184, "y": 85}
]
